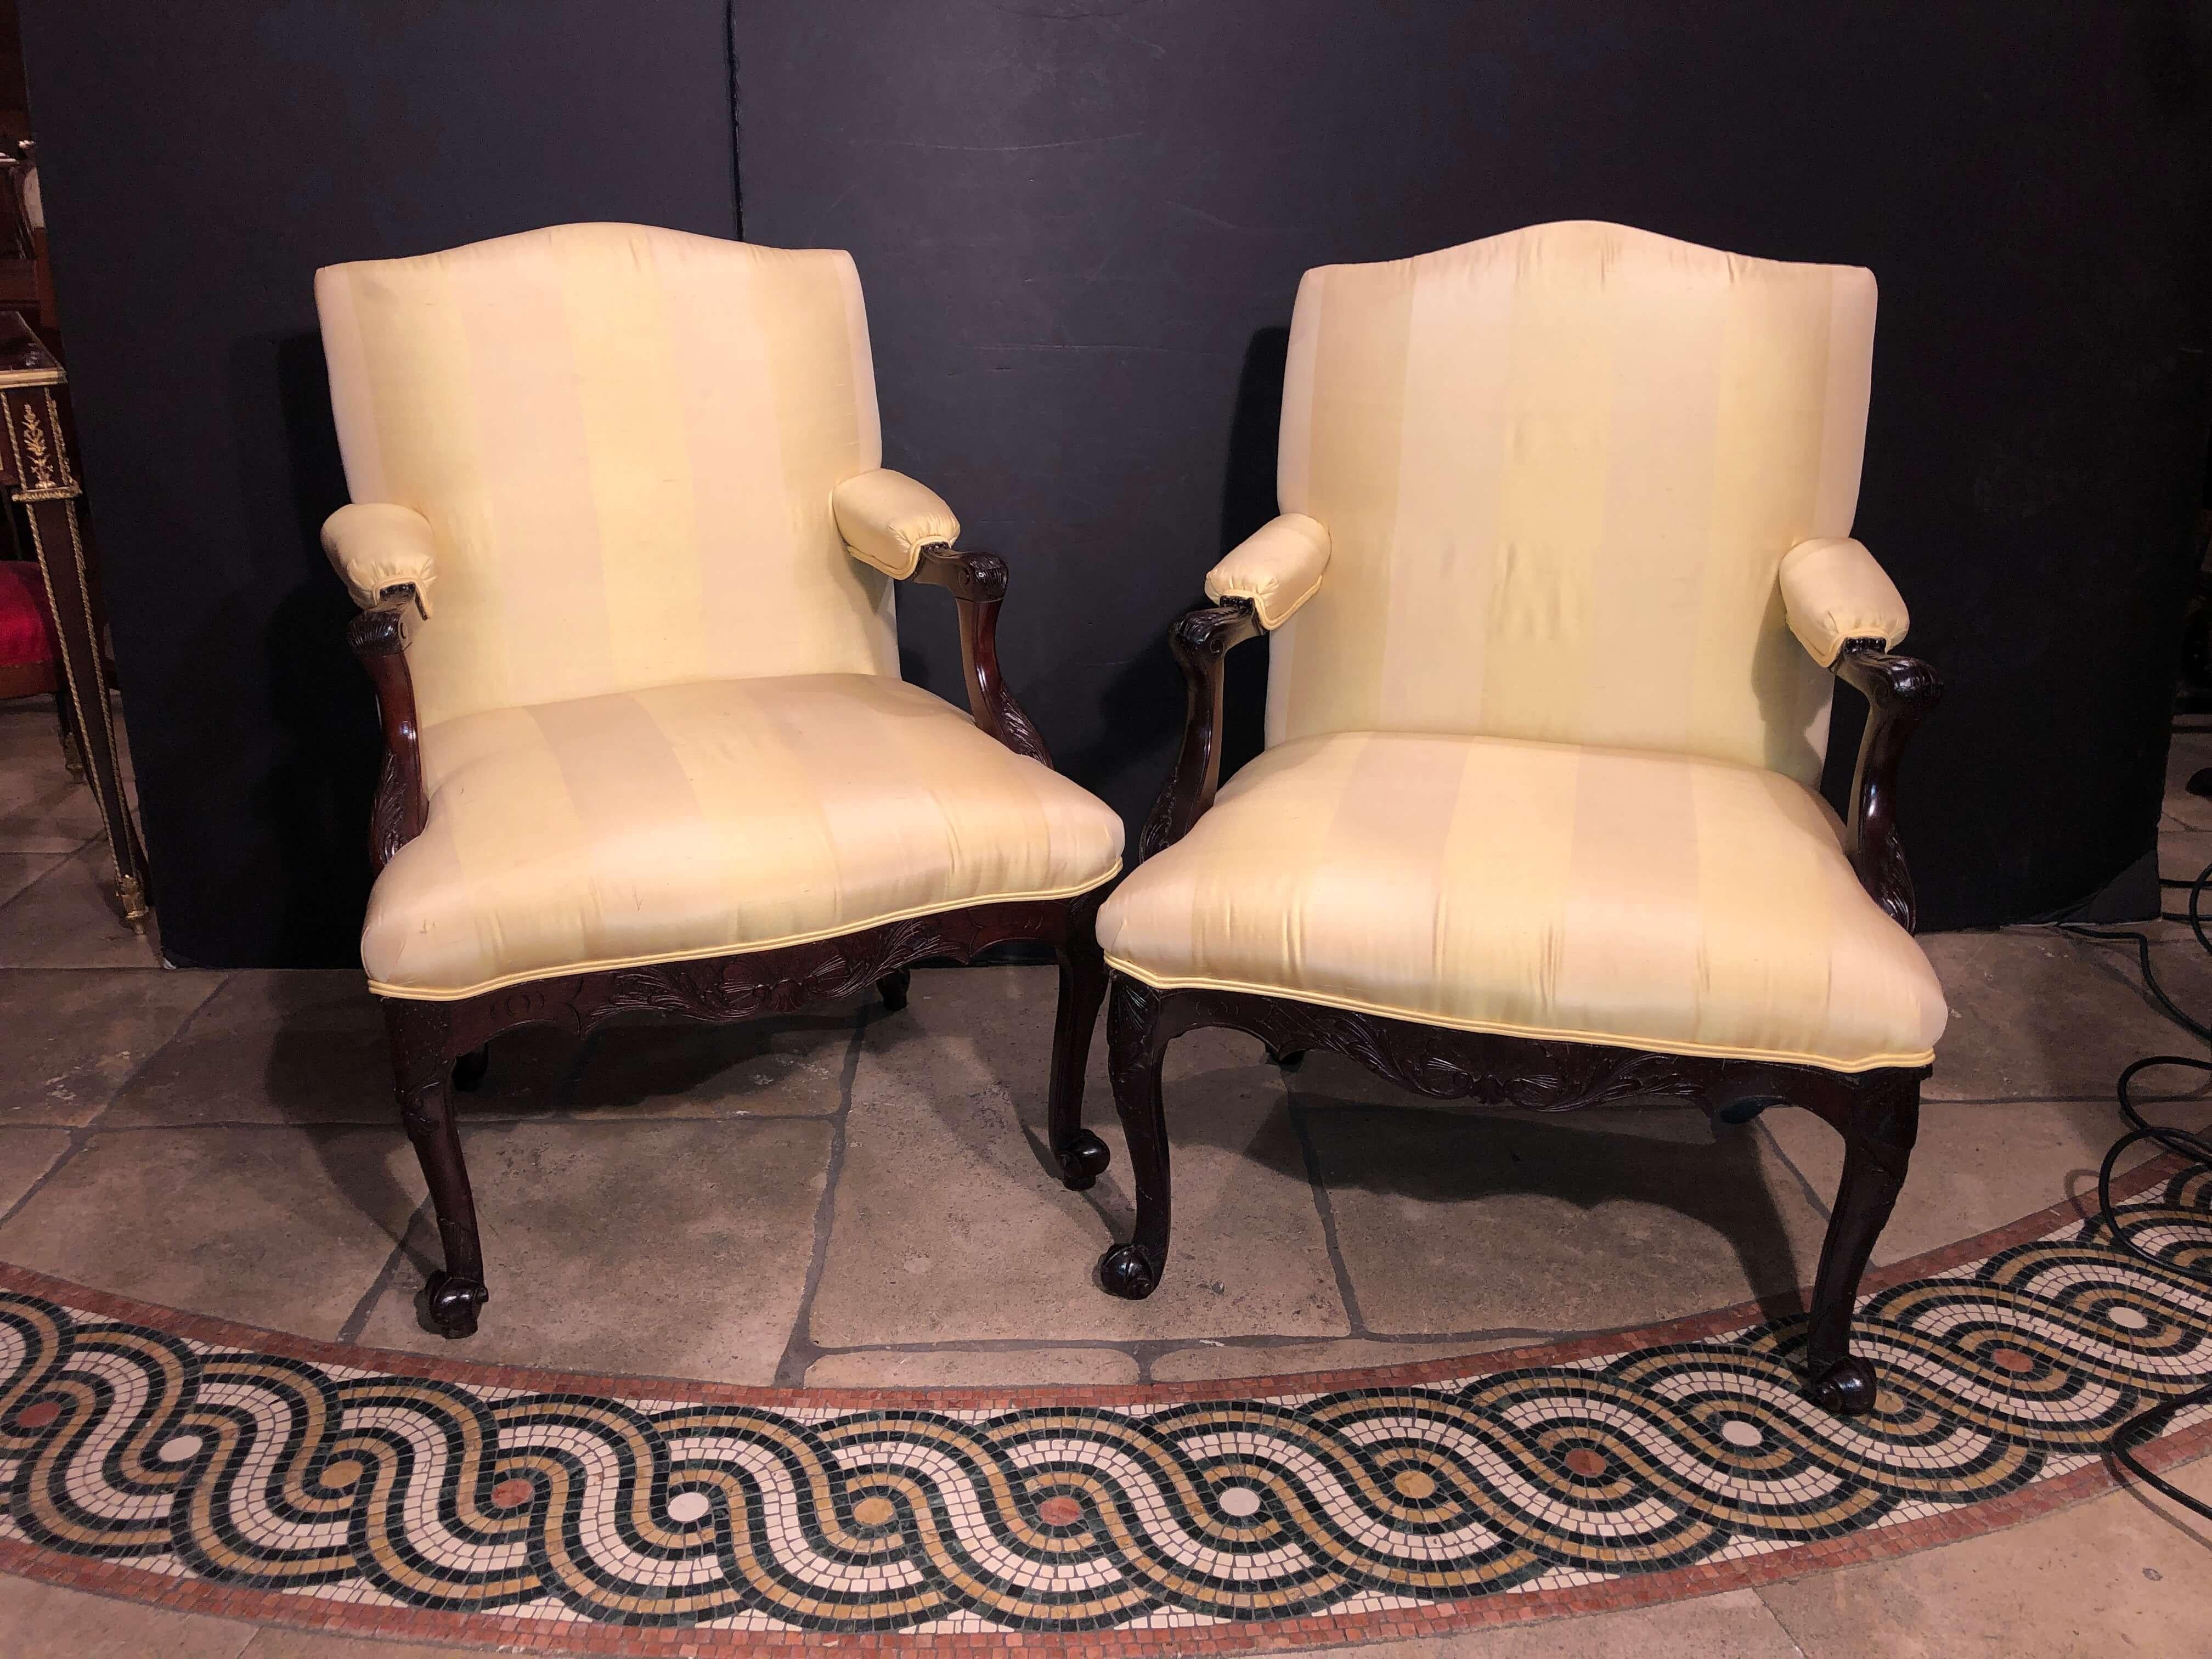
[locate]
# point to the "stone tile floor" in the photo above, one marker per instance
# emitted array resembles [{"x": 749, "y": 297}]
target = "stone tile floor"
[{"x": 851, "y": 1198}]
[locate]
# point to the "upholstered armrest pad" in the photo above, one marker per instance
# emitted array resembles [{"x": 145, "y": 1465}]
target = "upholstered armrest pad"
[
  {"x": 376, "y": 546},
  {"x": 1278, "y": 567},
  {"x": 1834, "y": 591},
  {"x": 887, "y": 519}
]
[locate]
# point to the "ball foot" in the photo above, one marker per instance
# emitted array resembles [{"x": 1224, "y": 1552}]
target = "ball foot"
[
  {"x": 893, "y": 988},
  {"x": 1082, "y": 1160},
  {"x": 1291, "y": 1062},
  {"x": 1128, "y": 1273},
  {"x": 452, "y": 1304},
  {"x": 1847, "y": 1387},
  {"x": 469, "y": 1070}
]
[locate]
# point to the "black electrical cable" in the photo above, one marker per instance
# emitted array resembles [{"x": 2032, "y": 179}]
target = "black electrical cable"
[{"x": 2147, "y": 1425}]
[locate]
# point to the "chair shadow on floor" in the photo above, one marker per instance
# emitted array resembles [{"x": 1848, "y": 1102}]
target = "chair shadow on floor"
[
  {"x": 328, "y": 1072},
  {"x": 1713, "y": 1190}
]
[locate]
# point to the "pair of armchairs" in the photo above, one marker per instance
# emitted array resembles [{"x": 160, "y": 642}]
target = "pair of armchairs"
[{"x": 1562, "y": 577}]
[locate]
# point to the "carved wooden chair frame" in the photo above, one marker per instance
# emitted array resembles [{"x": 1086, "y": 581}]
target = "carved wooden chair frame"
[
  {"x": 440, "y": 1047},
  {"x": 1876, "y": 1112}
]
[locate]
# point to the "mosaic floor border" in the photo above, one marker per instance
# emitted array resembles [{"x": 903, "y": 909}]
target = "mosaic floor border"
[{"x": 165, "y": 1458}]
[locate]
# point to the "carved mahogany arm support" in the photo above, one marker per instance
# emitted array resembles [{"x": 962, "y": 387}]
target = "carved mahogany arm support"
[
  {"x": 1201, "y": 640},
  {"x": 977, "y": 582},
  {"x": 1899, "y": 693},
  {"x": 379, "y": 638}
]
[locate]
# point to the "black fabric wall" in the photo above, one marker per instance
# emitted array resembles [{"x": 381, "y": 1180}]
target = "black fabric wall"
[
  {"x": 1080, "y": 227},
  {"x": 199, "y": 163}
]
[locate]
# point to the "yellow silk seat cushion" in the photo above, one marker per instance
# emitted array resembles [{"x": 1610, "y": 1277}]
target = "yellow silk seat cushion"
[
  {"x": 1637, "y": 898},
  {"x": 692, "y": 820}
]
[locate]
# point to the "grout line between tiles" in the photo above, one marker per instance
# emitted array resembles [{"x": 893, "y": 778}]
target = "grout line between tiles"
[
  {"x": 1166, "y": 1345},
  {"x": 1326, "y": 1209},
  {"x": 53, "y": 873},
  {"x": 190, "y": 1019},
  {"x": 357, "y": 1321},
  {"x": 800, "y": 1353},
  {"x": 79, "y": 1139}
]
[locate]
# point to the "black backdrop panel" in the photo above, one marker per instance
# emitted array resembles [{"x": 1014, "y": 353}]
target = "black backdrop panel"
[
  {"x": 1081, "y": 226},
  {"x": 199, "y": 163}
]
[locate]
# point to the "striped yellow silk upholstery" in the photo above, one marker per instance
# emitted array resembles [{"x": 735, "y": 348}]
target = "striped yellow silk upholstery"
[
  {"x": 692, "y": 820},
  {"x": 1658, "y": 902},
  {"x": 1560, "y": 468},
  {"x": 624, "y": 440},
  {"x": 376, "y": 546},
  {"x": 1834, "y": 591},
  {"x": 660, "y": 699},
  {"x": 1278, "y": 567},
  {"x": 1541, "y": 745},
  {"x": 887, "y": 519}
]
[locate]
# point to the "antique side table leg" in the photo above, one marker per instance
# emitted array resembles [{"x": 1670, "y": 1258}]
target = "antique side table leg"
[
  {"x": 72, "y": 751},
  {"x": 45, "y": 485}
]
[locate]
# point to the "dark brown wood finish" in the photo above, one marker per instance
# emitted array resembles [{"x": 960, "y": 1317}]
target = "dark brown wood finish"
[
  {"x": 379, "y": 638},
  {"x": 1876, "y": 1113},
  {"x": 1201, "y": 640},
  {"x": 438, "y": 1048},
  {"x": 977, "y": 582},
  {"x": 40, "y": 475},
  {"x": 1900, "y": 693}
]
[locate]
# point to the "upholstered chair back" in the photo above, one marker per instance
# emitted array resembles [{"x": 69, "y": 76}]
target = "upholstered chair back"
[
  {"x": 624, "y": 440},
  {"x": 1559, "y": 469}
]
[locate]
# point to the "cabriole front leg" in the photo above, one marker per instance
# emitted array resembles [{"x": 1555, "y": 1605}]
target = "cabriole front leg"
[
  {"x": 421, "y": 1034},
  {"x": 1082, "y": 1156},
  {"x": 1879, "y": 1119},
  {"x": 1134, "y": 1049}
]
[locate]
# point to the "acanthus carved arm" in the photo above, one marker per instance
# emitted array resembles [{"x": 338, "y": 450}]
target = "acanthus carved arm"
[
  {"x": 977, "y": 582},
  {"x": 1899, "y": 693},
  {"x": 379, "y": 638},
  {"x": 1201, "y": 640}
]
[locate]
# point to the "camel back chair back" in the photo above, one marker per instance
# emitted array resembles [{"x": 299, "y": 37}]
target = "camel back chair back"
[
  {"x": 624, "y": 440},
  {"x": 1560, "y": 468}
]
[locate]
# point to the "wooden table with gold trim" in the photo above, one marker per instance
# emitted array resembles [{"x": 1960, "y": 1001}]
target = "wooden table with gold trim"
[{"x": 38, "y": 475}]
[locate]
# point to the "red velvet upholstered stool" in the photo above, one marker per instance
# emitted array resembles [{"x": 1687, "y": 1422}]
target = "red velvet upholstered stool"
[
  {"x": 30, "y": 660},
  {"x": 30, "y": 656}
]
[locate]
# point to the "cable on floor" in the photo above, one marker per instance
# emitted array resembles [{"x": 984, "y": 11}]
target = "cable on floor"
[{"x": 2148, "y": 1425}]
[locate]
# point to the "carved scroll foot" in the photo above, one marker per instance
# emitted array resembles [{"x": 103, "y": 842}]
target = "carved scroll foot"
[
  {"x": 422, "y": 1068},
  {"x": 1127, "y": 1270},
  {"x": 1134, "y": 1049},
  {"x": 892, "y": 988},
  {"x": 1879, "y": 1117},
  {"x": 469, "y": 1070},
  {"x": 1082, "y": 1160},
  {"x": 452, "y": 1304},
  {"x": 1847, "y": 1387},
  {"x": 1083, "y": 1157}
]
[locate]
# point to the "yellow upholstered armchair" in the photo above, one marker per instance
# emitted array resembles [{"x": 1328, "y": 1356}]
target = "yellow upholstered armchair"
[
  {"x": 625, "y": 552},
  {"x": 1562, "y": 579}
]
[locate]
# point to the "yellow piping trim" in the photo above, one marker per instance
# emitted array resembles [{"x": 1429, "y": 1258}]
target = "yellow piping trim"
[
  {"x": 418, "y": 993},
  {"x": 1706, "y": 1051}
]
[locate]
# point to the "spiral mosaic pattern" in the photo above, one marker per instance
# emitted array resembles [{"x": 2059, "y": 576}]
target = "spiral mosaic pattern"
[{"x": 123, "y": 1443}]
